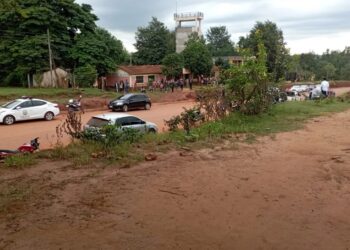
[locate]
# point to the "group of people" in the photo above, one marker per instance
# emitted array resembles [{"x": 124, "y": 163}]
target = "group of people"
[{"x": 122, "y": 86}]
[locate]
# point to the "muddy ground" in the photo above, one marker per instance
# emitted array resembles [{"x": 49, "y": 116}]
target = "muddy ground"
[{"x": 289, "y": 191}]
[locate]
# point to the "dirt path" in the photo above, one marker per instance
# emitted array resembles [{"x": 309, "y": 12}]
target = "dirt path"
[
  {"x": 11, "y": 137},
  {"x": 287, "y": 192}
]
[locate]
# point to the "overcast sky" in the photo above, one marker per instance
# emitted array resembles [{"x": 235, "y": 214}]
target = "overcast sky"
[{"x": 308, "y": 25}]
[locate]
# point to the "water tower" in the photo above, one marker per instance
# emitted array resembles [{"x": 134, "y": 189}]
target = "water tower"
[{"x": 187, "y": 24}]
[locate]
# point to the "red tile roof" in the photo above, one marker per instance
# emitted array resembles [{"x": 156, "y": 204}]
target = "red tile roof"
[{"x": 142, "y": 69}]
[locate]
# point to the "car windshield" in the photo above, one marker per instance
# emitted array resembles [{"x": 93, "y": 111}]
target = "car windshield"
[
  {"x": 11, "y": 105},
  {"x": 124, "y": 97},
  {"x": 97, "y": 122}
]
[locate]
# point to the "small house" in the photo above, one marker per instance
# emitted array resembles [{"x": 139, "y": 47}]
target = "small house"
[{"x": 138, "y": 76}]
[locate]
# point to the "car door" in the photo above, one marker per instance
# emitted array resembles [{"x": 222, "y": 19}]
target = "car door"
[
  {"x": 139, "y": 101},
  {"x": 23, "y": 111},
  {"x": 38, "y": 110},
  {"x": 133, "y": 123},
  {"x": 133, "y": 102}
]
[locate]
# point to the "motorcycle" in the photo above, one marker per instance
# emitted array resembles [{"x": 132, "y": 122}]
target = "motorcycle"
[
  {"x": 30, "y": 147},
  {"x": 74, "y": 105}
]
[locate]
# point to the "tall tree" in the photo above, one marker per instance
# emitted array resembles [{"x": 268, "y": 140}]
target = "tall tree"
[
  {"x": 219, "y": 42},
  {"x": 153, "y": 43},
  {"x": 24, "y": 33},
  {"x": 172, "y": 65},
  {"x": 197, "y": 57},
  {"x": 273, "y": 40},
  {"x": 98, "y": 49}
]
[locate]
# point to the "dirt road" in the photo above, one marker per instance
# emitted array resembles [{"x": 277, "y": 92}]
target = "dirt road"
[
  {"x": 291, "y": 191},
  {"x": 13, "y": 136}
]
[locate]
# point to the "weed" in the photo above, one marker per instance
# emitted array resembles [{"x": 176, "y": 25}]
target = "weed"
[{"x": 19, "y": 161}]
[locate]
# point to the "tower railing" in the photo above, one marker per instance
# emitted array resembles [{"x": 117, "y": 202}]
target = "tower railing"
[{"x": 189, "y": 15}]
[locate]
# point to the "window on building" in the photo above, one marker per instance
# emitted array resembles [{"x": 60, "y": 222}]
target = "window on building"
[{"x": 139, "y": 79}]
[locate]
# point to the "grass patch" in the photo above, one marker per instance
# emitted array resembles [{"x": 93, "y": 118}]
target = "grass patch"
[
  {"x": 82, "y": 154},
  {"x": 60, "y": 95},
  {"x": 20, "y": 161},
  {"x": 280, "y": 118},
  {"x": 57, "y": 95}
]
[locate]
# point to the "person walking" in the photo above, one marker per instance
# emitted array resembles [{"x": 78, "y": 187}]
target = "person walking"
[{"x": 325, "y": 87}]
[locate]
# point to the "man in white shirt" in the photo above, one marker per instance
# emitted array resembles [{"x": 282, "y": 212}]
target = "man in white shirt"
[{"x": 325, "y": 87}]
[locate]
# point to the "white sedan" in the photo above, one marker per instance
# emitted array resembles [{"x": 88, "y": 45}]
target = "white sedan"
[
  {"x": 121, "y": 120},
  {"x": 27, "y": 109}
]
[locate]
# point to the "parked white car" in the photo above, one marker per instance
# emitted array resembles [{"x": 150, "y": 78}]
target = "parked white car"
[
  {"x": 121, "y": 120},
  {"x": 27, "y": 109}
]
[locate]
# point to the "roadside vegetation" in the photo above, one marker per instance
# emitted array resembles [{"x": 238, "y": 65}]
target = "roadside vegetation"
[{"x": 241, "y": 105}]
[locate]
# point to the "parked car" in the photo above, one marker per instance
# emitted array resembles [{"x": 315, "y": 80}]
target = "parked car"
[
  {"x": 27, "y": 108},
  {"x": 293, "y": 96},
  {"x": 130, "y": 101},
  {"x": 122, "y": 121}
]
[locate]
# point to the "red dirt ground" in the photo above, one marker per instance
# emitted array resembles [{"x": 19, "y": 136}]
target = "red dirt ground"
[{"x": 291, "y": 191}]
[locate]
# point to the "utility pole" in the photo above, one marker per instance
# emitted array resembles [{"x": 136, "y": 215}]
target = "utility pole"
[{"x": 50, "y": 55}]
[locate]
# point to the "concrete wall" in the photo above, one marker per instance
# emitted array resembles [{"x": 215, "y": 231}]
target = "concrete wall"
[{"x": 182, "y": 35}]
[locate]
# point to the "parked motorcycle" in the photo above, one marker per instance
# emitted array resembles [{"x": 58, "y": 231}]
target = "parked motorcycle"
[{"x": 30, "y": 147}]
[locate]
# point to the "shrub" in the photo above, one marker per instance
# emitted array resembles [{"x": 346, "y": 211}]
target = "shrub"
[
  {"x": 248, "y": 83},
  {"x": 187, "y": 120},
  {"x": 214, "y": 102}
]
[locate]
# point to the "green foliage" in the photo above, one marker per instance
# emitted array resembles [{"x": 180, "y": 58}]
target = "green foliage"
[
  {"x": 98, "y": 49},
  {"x": 75, "y": 40},
  {"x": 172, "y": 65},
  {"x": 197, "y": 57},
  {"x": 111, "y": 135},
  {"x": 249, "y": 82},
  {"x": 19, "y": 161},
  {"x": 24, "y": 25},
  {"x": 310, "y": 66},
  {"x": 345, "y": 72},
  {"x": 272, "y": 38},
  {"x": 85, "y": 75},
  {"x": 219, "y": 42},
  {"x": 222, "y": 64},
  {"x": 153, "y": 43}
]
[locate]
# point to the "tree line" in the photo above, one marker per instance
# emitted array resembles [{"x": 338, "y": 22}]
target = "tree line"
[
  {"x": 27, "y": 27},
  {"x": 78, "y": 45}
]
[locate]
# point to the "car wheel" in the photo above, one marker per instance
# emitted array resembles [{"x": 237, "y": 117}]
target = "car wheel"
[
  {"x": 9, "y": 120},
  {"x": 148, "y": 106},
  {"x": 152, "y": 130},
  {"x": 49, "y": 116},
  {"x": 125, "y": 108}
]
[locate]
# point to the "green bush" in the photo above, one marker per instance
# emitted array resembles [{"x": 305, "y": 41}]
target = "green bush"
[
  {"x": 85, "y": 76},
  {"x": 111, "y": 135}
]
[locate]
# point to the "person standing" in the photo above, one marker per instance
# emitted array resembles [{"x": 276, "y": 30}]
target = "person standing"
[
  {"x": 325, "y": 87},
  {"x": 116, "y": 86},
  {"x": 121, "y": 86},
  {"x": 190, "y": 83},
  {"x": 126, "y": 87}
]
